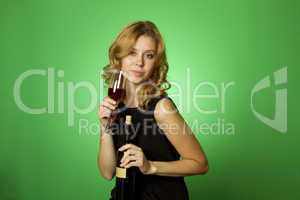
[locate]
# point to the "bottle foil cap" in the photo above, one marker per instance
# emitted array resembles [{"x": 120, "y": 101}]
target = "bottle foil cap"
[{"x": 128, "y": 119}]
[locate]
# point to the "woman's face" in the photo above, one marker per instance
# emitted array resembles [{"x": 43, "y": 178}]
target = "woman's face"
[{"x": 139, "y": 64}]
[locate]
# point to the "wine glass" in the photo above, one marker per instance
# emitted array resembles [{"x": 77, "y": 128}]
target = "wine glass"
[{"x": 116, "y": 91}]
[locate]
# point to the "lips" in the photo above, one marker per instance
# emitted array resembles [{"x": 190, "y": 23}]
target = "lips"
[{"x": 137, "y": 73}]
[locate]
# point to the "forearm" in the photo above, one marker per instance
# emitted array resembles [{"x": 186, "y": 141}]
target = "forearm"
[
  {"x": 184, "y": 167},
  {"x": 106, "y": 157}
]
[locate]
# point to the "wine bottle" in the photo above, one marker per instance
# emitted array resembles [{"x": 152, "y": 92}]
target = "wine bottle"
[{"x": 125, "y": 181}]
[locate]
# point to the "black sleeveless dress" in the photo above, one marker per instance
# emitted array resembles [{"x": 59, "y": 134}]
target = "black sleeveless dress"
[{"x": 156, "y": 147}]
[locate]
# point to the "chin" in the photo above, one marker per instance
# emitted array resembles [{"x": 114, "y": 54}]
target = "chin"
[{"x": 136, "y": 80}]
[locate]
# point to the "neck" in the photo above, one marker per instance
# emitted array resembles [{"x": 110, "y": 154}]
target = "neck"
[{"x": 131, "y": 97}]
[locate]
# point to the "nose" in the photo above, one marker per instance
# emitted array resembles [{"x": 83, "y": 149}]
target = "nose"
[{"x": 140, "y": 61}]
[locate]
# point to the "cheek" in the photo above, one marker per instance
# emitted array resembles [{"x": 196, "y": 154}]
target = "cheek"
[
  {"x": 149, "y": 69},
  {"x": 126, "y": 62}
]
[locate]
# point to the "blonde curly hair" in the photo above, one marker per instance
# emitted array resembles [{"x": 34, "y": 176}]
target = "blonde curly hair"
[{"x": 121, "y": 47}]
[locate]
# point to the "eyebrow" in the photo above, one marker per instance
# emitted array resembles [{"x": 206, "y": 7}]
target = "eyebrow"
[{"x": 145, "y": 50}]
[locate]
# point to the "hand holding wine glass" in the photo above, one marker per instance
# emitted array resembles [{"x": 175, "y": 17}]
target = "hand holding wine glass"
[
  {"x": 116, "y": 92},
  {"x": 107, "y": 106}
]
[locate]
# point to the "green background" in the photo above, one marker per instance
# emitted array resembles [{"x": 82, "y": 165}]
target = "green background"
[{"x": 239, "y": 41}]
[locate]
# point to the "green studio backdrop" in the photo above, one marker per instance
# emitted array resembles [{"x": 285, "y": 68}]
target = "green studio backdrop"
[{"x": 233, "y": 66}]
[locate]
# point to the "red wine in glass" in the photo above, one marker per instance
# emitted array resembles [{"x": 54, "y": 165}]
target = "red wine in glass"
[
  {"x": 116, "y": 90},
  {"x": 116, "y": 94}
]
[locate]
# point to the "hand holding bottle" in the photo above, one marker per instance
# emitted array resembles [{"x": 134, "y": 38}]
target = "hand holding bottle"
[{"x": 134, "y": 156}]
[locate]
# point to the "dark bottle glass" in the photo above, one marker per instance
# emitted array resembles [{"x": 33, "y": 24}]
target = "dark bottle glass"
[{"x": 125, "y": 178}]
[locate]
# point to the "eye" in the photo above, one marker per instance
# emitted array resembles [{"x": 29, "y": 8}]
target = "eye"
[
  {"x": 150, "y": 56},
  {"x": 133, "y": 53}
]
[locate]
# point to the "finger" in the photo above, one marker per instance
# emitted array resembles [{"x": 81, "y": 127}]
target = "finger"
[
  {"x": 103, "y": 109},
  {"x": 129, "y": 152},
  {"x": 124, "y": 156},
  {"x": 132, "y": 152},
  {"x": 107, "y": 109},
  {"x": 128, "y": 146},
  {"x": 106, "y": 113},
  {"x": 107, "y": 98},
  {"x": 128, "y": 159},
  {"x": 109, "y": 105},
  {"x": 132, "y": 164}
]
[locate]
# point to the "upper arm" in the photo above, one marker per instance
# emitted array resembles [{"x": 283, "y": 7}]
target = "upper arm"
[{"x": 177, "y": 131}]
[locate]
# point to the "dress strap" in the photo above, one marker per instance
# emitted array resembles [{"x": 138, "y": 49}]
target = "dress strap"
[{"x": 152, "y": 103}]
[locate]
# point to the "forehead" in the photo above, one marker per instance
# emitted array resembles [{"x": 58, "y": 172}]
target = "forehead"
[{"x": 145, "y": 43}]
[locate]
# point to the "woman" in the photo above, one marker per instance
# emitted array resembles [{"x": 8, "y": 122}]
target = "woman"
[{"x": 164, "y": 149}]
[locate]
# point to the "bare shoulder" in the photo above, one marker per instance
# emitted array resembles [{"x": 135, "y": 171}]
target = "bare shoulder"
[{"x": 164, "y": 109}]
